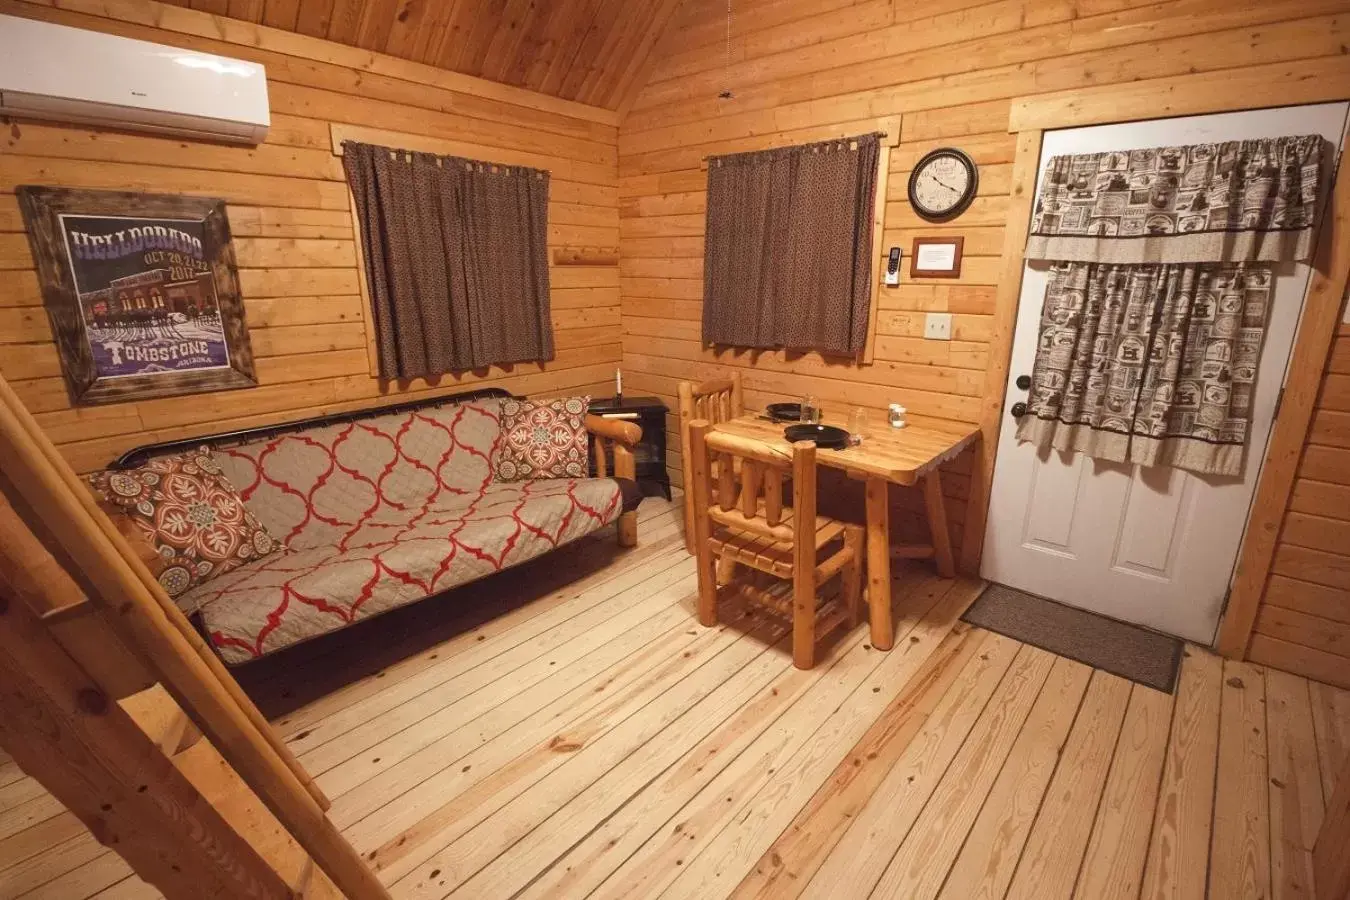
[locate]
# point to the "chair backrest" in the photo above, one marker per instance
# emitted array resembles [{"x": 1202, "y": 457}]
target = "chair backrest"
[
  {"x": 750, "y": 487},
  {"x": 713, "y": 401}
]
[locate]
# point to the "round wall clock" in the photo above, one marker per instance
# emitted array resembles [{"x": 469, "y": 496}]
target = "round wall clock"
[{"x": 943, "y": 184}]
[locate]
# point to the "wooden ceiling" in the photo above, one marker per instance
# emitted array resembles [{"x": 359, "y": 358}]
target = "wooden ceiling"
[{"x": 591, "y": 51}]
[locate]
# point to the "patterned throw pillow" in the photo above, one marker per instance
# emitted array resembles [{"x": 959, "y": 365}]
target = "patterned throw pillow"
[
  {"x": 543, "y": 439},
  {"x": 189, "y": 514}
]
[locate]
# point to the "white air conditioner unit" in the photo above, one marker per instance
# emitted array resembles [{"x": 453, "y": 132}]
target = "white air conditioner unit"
[{"x": 72, "y": 75}]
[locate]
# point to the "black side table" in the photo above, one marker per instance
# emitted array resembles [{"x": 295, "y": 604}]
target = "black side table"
[{"x": 650, "y": 454}]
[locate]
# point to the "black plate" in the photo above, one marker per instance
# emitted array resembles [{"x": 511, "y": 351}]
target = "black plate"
[
  {"x": 824, "y": 435},
  {"x": 784, "y": 412}
]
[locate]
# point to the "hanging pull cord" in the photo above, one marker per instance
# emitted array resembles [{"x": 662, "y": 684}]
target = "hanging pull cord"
[{"x": 726, "y": 62}]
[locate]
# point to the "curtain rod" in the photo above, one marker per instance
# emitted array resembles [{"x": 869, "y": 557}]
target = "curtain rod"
[{"x": 883, "y": 134}]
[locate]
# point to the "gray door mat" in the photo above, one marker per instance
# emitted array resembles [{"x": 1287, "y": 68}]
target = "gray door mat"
[{"x": 1144, "y": 657}]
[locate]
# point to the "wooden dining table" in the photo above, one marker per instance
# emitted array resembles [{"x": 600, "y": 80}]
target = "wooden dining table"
[{"x": 904, "y": 456}]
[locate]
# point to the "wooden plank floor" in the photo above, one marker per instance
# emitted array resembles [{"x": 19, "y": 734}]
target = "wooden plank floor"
[{"x": 568, "y": 730}]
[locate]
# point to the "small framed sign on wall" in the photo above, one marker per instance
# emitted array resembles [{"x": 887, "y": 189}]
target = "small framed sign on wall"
[
  {"x": 141, "y": 291},
  {"x": 936, "y": 257}
]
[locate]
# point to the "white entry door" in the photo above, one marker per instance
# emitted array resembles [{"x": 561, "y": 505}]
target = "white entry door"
[{"x": 1152, "y": 546}]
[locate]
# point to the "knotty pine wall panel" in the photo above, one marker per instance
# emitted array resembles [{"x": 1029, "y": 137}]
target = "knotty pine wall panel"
[
  {"x": 1303, "y": 624},
  {"x": 804, "y": 70},
  {"x": 293, "y": 233}
]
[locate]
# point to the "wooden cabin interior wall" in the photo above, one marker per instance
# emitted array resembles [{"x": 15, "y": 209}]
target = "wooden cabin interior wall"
[
  {"x": 1303, "y": 624},
  {"x": 289, "y": 213},
  {"x": 804, "y": 70}
]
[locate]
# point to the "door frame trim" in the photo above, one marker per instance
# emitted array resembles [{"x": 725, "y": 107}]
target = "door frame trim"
[{"x": 1284, "y": 84}]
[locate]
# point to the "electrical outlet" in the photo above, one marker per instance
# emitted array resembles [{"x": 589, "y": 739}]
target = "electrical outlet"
[{"x": 938, "y": 326}]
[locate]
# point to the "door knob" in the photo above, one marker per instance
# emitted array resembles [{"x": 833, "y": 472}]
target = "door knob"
[
  {"x": 1019, "y": 409},
  {"x": 1023, "y": 382}
]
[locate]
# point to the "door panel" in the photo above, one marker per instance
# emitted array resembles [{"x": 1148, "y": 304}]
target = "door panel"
[
  {"x": 1049, "y": 525},
  {"x": 1151, "y": 546}
]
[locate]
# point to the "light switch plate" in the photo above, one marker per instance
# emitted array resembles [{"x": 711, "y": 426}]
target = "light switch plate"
[{"x": 938, "y": 326}]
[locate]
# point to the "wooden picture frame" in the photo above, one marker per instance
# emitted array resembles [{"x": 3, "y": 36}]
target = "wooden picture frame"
[
  {"x": 142, "y": 293},
  {"x": 916, "y": 266}
]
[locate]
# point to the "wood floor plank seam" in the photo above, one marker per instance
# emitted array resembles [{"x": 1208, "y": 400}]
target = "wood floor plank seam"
[
  {"x": 817, "y": 678},
  {"x": 834, "y": 858},
  {"x": 633, "y": 795},
  {"x": 1049, "y": 782},
  {"x": 595, "y": 637},
  {"x": 36, "y": 872},
  {"x": 778, "y": 697},
  {"x": 758, "y": 636},
  {"x": 946, "y": 594},
  {"x": 656, "y": 545},
  {"x": 1214, "y": 793},
  {"x": 718, "y": 642},
  {"x": 390, "y": 702},
  {"x": 1162, "y": 775},
  {"x": 1101, "y": 800},
  {"x": 816, "y": 755},
  {"x": 1086, "y": 673},
  {"x": 923, "y": 769},
  {"x": 393, "y": 786},
  {"x": 1159, "y": 872},
  {"x": 844, "y": 795},
  {"x": 486, "y": 647},
  {"x": 1034, "y": 655},
  {"x": 1069, "y": 766},
  {"x": 728, "y": 764}
]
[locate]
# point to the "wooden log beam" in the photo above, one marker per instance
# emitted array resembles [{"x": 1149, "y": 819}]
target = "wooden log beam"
[
  {"x": 65, "y": 731},
  {"x": 32, "y": 576}
]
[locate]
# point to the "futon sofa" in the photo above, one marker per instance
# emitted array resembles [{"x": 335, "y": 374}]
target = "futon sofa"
[{"x": 380, "y": 510}]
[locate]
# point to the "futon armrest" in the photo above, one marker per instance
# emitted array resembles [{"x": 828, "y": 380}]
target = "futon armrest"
[
  {"x": 623, "y": 436},
  {"x": 621, "y": 430}
]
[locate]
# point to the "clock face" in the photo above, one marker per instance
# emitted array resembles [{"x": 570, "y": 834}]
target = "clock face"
[{"x": 942, "y": 184}]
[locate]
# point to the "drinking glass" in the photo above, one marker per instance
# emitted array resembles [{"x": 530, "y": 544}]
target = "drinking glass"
[
  {"x": 857, "y": 423},
  {"x": 810, "y": 410}
]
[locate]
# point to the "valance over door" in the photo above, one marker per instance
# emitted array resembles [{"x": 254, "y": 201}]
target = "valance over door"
[{"x": 1155, "y": 311}]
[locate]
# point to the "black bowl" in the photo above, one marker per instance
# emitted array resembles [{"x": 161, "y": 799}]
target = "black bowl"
[
  {"x": 784, "y": 412},
  {"x": 826, "y": 436}
]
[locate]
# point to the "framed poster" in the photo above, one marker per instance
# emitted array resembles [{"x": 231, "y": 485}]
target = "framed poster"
[{"x": 141, "y": 291}]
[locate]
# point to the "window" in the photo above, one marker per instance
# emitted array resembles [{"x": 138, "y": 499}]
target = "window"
[
  {"x": 456, "y": 257},
  {"x": 788, "y": 251}
]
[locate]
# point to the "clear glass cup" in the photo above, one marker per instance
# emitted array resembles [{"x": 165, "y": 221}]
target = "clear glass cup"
[
  {"x": 810, "y": 410},
  {"x": 857, "y": 423}
]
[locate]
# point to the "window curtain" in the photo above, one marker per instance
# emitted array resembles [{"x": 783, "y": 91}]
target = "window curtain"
[
  {"x": 788, "y": 246},
  {"x": 456, "y": 255},
  {"x": 1155, "y": 309}
]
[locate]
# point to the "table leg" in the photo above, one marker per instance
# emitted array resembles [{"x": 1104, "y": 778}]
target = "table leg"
[
  {"x": 879, "y": 564},
  {"x": 937, "y": 523}
]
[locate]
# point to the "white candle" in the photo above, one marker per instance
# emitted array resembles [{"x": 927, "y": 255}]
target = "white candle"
[{"x": 618, "y": 382}]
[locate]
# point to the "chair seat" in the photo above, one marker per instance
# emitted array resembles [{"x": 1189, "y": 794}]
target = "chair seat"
[{"x": 764, "y": 553}]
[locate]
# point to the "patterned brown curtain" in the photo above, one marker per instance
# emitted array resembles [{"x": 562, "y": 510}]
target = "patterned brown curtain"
[
  {"x": 456, "y": 255},
  {"x": 788, "y": 247},
  {"x": 1154, "y": 365},
  {"x": 1155, "y": 309},
  {"x": 1236, "y": 201}
]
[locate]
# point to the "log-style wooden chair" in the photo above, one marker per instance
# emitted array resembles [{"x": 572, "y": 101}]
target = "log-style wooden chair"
[
  {"x": 712, "y": 401},
  {"x": 749, "y": 526}
]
